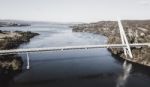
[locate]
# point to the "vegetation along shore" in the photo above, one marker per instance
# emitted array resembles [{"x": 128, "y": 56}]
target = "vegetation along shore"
[
  {"x": 11, "y": 40},
  {"x": 137, "y": 31}
]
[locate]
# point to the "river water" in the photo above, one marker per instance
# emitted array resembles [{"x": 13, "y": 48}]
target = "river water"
[{"x": 74, "y": 68}]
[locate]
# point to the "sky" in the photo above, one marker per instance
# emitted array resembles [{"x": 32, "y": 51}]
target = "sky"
[{"x": 74, "y": 10}]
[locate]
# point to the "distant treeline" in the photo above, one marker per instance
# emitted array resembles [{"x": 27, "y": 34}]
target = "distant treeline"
[{"x": 11, "y": 24}]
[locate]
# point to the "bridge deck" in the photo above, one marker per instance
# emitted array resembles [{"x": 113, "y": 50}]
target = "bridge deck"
[{"x": 71, "y": 48}]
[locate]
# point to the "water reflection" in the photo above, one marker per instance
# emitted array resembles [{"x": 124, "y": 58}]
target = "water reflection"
[
  {"x": 125, "y": 74},
  {"x": 75, "y": 68}
]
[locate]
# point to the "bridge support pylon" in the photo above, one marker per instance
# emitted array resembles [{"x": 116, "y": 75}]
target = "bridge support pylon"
[
  {"x": 28, "y": 61},
  {"x": 127, "y": 49}
]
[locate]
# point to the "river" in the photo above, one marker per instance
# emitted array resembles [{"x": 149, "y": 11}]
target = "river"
[{"x": 74, "y": 68}]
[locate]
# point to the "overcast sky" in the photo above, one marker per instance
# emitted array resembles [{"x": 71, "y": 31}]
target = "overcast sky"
[{"x": 74, "y": 10}]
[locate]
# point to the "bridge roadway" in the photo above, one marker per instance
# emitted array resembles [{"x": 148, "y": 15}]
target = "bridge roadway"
[{"x": 12, "y": 51}]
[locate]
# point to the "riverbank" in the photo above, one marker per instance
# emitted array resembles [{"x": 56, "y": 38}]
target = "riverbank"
[
  {"x": 11, "y": 40},
  {"x": 137, "y": 31}
]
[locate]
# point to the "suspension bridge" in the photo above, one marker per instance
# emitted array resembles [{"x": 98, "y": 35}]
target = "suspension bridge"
[{"x": 125, "y": 45}]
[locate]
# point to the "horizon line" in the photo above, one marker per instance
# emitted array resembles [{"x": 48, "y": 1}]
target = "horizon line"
[{"x": 28, "y": 20}]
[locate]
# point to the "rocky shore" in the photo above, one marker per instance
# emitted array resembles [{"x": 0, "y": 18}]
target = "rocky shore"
[
  {"x": 11, "y": 40},
  {"x": 137, "y": 31}
]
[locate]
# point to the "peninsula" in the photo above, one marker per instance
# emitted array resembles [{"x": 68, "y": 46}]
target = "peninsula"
[{"x": 11, "y": 40}]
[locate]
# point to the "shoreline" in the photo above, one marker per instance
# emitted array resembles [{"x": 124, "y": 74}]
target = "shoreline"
[
  {"x": 11, "y": 40},
  {"x": 137, "y": 31}
]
